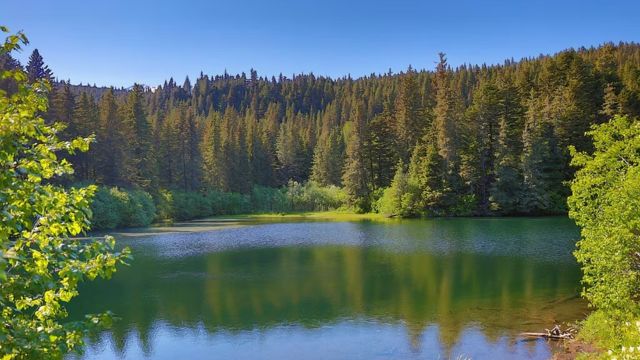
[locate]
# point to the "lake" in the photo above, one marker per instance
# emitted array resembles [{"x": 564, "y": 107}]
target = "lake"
[{"x": 401, "y": 289}]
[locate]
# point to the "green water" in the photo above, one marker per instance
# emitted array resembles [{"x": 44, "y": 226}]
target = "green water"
[{"x": 346, "y": 290}]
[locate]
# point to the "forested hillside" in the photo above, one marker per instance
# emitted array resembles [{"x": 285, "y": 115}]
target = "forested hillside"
[{"x": 474, "y": 140}]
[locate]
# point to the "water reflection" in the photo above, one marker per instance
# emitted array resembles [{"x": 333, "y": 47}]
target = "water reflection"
[{"x": 421, "y": 288}]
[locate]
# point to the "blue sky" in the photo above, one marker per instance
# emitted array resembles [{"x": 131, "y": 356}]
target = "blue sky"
[{"x": 121, "y": 42}]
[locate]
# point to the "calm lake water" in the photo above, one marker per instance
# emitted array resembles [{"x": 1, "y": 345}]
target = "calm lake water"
[{"x": 413, "y": 289}]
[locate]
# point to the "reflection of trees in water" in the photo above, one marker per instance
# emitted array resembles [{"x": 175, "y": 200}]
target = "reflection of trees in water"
[{"x": 311, "y": 286}]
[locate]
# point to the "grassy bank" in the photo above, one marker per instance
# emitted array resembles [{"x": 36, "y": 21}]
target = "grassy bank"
[{"x": 314, "y": 215}]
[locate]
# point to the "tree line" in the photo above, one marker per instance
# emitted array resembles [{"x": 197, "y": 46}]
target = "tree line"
[{"x": 469, "y": 140}]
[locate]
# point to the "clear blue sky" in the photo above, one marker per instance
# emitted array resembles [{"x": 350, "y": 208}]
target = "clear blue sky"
[{"x": 119, "y": 42}]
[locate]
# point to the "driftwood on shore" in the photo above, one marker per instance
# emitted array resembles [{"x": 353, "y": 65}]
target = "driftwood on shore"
[{"x": 554, "y": 334}]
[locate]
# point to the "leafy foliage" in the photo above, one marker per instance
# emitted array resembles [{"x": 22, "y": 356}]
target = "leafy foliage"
[
  {"x": 606, "y": 204},
  {"x": 40, "y": 263},
  {"x": 115, "y": 208}
]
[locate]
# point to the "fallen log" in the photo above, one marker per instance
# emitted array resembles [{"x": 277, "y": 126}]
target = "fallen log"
[
  {"x": 554, "y": 334},
  {"x": 547, "y": 336}
]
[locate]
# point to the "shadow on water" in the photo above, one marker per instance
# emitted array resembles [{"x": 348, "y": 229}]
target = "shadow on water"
[{"x": 404, "y": 289}]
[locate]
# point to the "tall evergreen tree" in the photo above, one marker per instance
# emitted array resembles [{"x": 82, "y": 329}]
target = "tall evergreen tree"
[
  {"x": 110, "y": 146},
  {"x": 409, "y": 116},
  {"x": 382, "y": 149},
  {"x": 62, "y": 109},
  {"x": 431, "y": 194},
  {"x": 86, "y": 119},
  {"x": 507, "y": 188},
  {"x": 141, "y": 172},
  {"x": 356, "y": 174},
  {"x": 483, "y": 129},
  {"x": 36, "y": 68},
  {"x": 541, "y": 162},
  {"x": 328, "y": 158},
  {"x": 210, "y": 149}
]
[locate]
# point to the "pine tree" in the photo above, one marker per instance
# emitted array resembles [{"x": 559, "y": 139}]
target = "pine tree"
[
  {"x": 381, "y": 148},
  {"x": 610, "y": 105},
  {"x": 410, "y": 119},
  {"x": 290, "y": 149},
  {"x": 269, "y": 128},
  {"x": 507, "y": 188},
  {"x": 483, "y": 131},
  {"x": 356, "y": 172},
  {"x": 428, "y": 178},
  {"x": 110, "y": 152},
  {"x": 328, "y": 158},
  {"x": 241, "y": 167},
  {"x": 85, "y": 118},
  {"x": 210, "y": 148},
  {"x": 447, "y": 117},
  {"x": 542, "y": 162},
  {"x": 37, "y": 70},
  {"x": 9, "y": 63},
  {"x": 62, "y": 108},
  {"x": 188, "y": 169},
  {"x": 140, "y": 172}
]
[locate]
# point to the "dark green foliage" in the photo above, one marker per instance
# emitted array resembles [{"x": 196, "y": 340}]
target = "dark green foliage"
[
  {"x": 381, "y": 149},
  {"x": 409, "y": 115},
  {"x": 328, "y": 158},
  {"x": 114, "y": 207},
  {"x": 117, "y": 208},
  {"x": 542, "y": 165},
  {"x": 431, "y": 193},
  {"x": 140, "y": 169},
  {"x": 500, "y": 132},
  {"x": 356, "y": 176},
  {"x": 37, "y": 70},
  {"x": 105, "y": 210}
]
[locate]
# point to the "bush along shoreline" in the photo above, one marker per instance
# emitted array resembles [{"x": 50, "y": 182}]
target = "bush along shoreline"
[{"x": 115, "y": 207}]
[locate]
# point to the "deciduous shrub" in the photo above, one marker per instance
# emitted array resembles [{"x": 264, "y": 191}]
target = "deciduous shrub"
[{"x": 114, "y": 207}]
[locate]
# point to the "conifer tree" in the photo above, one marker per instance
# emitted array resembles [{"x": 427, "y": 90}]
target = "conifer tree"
[
  {"x": 36, "y": 68},
  {"x": 484, "y": 117},
  {"x": 507, "y": 188},
  {"x": 356, "y": 175},
  {"x": 427, "y": 176},
  {"x": 210, "y": 149},
  {"x": 290, "y": 149},
  {"x": 9, "y": 63},
  {"x": 610, "y": 104},
  {"x": 382, "y": 149},
  {"x": 85, "y": 118},
  {"x": 447, "y": 117},
  {"x": 110, "y": 152},
  {"x": 62, "y": 108},
  {"x": 140, "y": 160},
  {"x": 541, "y": 162},
  {"x": 328, "y": 158},
  {"x": 409, "y": 117}
]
